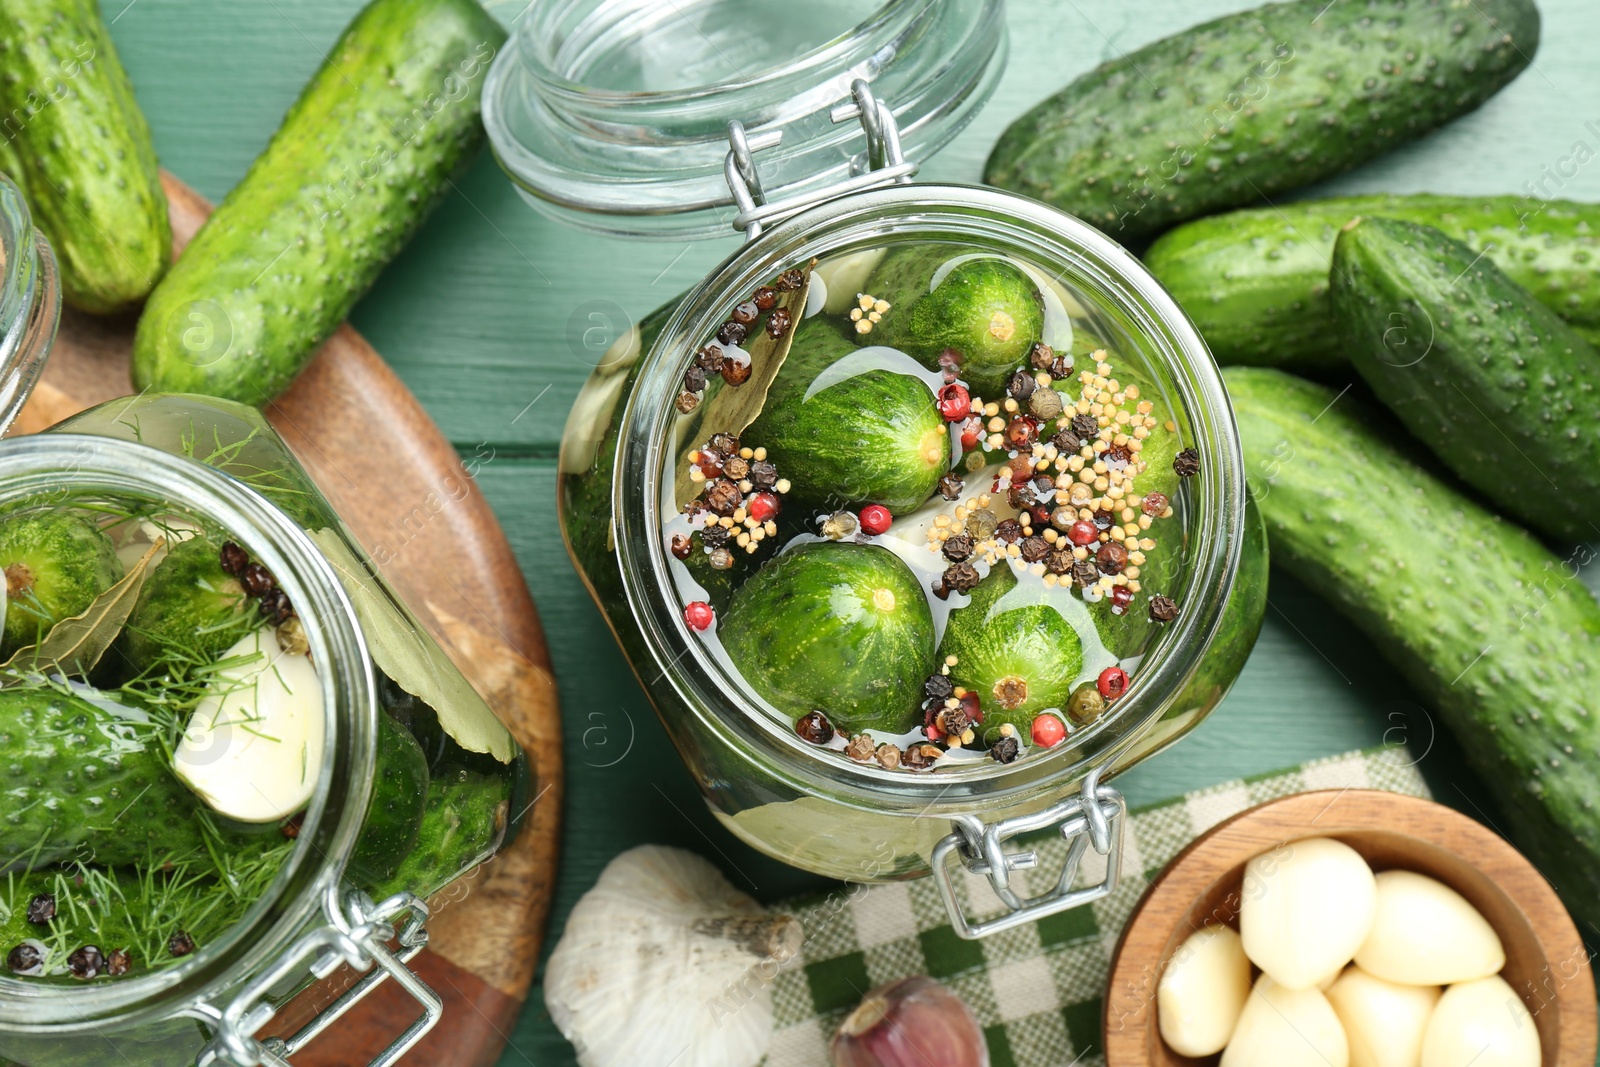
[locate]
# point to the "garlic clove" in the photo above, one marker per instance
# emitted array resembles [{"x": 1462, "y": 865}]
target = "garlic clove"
[
  {"x": 1306, "y": 907},
  {"x": 1202, "y": 992},
  {"x": 664, "y": 963},
  {"x": 1425, "y": 933},
  {"x": 843, "y": 276},
  {"x": 1286, "y": 1028},
  {"x": 1383, "y": 1021},
  {"x": 1482, "y": 1023},
  {"x": 253, "y": 748},
  {"x": 914, "y": 1022}
]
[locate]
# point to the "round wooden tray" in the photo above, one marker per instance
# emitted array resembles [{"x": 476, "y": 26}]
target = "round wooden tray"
[
  {"x": 385, "y": 468},
  {"x": 1546, "y": 960}
]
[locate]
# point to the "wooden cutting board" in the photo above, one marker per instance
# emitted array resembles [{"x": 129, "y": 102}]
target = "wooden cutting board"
[{"x": 396, "y": 482}]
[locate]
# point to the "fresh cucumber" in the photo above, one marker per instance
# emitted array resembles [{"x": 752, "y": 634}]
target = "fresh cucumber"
[
  {"x": 78, "y": 146},
  {"x": 868, "y": 435},
  {"x": 362, "y": 156},
  {"x": 984, "y": 310},
  {"x": 55, "y": 563},
  {"x": 464, "y": 820},
  {"x": 1017, "y": 653},
  {"x": 1495, "y": 632},
  {"x": 1487, "y": 377},
  {"x": 1256, "y": 281},
  {"x": 1257, "y": 103},
  {"x": 189, "y": 607},
  {"x": 398, "y": 807},
  {"x": 837, "y": 627},
  {"x": 85, "y": 779}
]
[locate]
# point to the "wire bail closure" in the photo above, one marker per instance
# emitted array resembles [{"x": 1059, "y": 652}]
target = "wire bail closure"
[
  {"x": 885, "y": 161},
  {"x": 1093, "y": 816},
  {"x": 359, "y": 936}
]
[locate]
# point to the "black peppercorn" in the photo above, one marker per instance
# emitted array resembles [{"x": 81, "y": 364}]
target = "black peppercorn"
[
  {"x": 953, "y": 721},
  {"x": 1186, "y": 464},
  {"x": 765, "y": 298},
  {"x": 938, "y": 687},
  {"x": 1060, "y": 561},
  {"x": 723, "y": 496},
  {"x": 736, "y": 371},
  {"x": 119, "y": 963},
  {"x": 234, "y": 559},
  {"x": 1005, "y": 750},
  {"x": 42, "y": 908},
  {"x": 1067, "y": 443},
  {"x": 951, "y": 485},
  {"x": 919, "y": 757},
  {"x": 763, "y": 474},
  {"x": 746, "y": 313},
  {"x": 724, "y": 443},
  {"x": 1021, "y": 386},
  {"x": 1163, "y": 609},
  {"x": 24, "y": 958},
  {"x": 958, "y": 548},
  {"x": 1111, "y": 558},
  {"x": 1034, "y": 548},
  {"x": 1085, "y": 573},
  {"x": 962, "y": 577},
  {"x": 1117, "y": 457},
  {"x": 86, "y": 963},
  {"x": 687, "y": 402},
  {"x": 682, "y": 546},
  {"x": 275, "y": 607},
  {"x": 694, "y": 379},
  {"x": 778, "y": 322},
  {"x": 1061, "y": 368},
  {"x": 180, "y": 943},
  {"x": 814, "y": 727},
  {"x": 710, "y": 358},
  {"x": 1104, "y": 520},
  {"x": 789, "y": 281},
  {"x": 733, "y": 333},
  {"x": 715, "y": 536},
  {"x": 1085, "y": 425},
  {"x": 256, "y": 579},
  {"x": 736, "y": 467},
  {"x": 1041, "y": 355},
  {"x": 1022, "y": 497},
  {"x": 1009, "y": 531}
]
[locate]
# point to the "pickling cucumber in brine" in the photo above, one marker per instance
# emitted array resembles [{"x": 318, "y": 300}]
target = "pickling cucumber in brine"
[
  {"x": 189, "y": 606},
  {"x": 55, "y": 564}
]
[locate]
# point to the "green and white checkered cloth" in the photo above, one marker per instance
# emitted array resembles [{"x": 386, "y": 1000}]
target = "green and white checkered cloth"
[{"x": 1036, "y": 991}]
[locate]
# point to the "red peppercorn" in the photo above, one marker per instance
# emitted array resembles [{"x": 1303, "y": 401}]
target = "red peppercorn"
[
  {"x": 1021, "y": 433},
  {"x": 1040, "y": 513},
  {"x": 765, "y": 298},
  {"x": 1048, "y": 730},
  {"x": 762, "y": 506},
  {"x": 970, "y": 705},
  {"x": 950, "y": 364},
  {"x": 1121, "y": 597},
  {"x": 1154, "y": 504},
  {"x": 1083, "y": 532},
  {"x": 1112, "y": 683},
  {"x": 699, "y": 615},
  {"x": 875, "y": 519},
  {"x": 955, "y": 403}
]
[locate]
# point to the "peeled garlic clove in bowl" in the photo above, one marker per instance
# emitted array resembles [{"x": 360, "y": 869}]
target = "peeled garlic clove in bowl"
[
  {"x": 1305, "y": 908},
  {"x": 1286, "y": 1028},
  {"x": 1482, "y": 1023},
  {"x": 1384, "y": 1021},
  {"x": 1203, "y": 989},
  {"x": 1425, "y": 933},
  {"x": 664, "y": 963}
]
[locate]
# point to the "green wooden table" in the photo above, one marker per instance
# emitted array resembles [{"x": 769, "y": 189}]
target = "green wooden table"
[{"x": 488, "y": 317}]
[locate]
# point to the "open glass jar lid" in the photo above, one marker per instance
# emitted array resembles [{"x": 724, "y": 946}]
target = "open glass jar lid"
[{"x": 614, "y": 116}]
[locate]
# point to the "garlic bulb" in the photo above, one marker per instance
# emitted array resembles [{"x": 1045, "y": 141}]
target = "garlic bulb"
[
  {"x": 1483, "y": 1023},
  {"x": 1286, "y": 1028},
  {"x": 1306, "y": 908},
  {"x": 1425, "y": 933},
  {"x": 1384, "y": 1021},
  {"x": 663, "y": 962},
  {"x": 914, "y": 1022},
  {"x": 1202, "y": 992}
]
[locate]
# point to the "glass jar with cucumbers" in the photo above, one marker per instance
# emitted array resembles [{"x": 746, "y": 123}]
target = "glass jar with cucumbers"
[
  {"x": 231, "y": 756},
  {"x": 923, "y": 515}
]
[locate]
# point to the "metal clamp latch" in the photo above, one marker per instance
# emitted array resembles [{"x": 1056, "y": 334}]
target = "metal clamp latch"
[
  {"x": 886, "y": 163},
  {"x": 359, "y": 935},
  {"x": 1094, "y": 816}
]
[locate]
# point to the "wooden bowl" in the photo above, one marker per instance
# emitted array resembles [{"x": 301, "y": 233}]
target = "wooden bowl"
[{"x": 1546, "y": 960}]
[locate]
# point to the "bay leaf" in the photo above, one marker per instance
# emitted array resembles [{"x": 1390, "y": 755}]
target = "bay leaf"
[
  {"x": 74, "y": 646},
  {"x": 734, "y": 407}
]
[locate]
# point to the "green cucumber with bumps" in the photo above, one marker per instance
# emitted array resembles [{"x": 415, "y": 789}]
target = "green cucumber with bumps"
[
  {"x": 465, "y": 818},
  {"x": 398, "y": 807},
  {"x": 189, "y": 607},
  {"x": 55, "y": 563},
  {"x": 363, "y": 155},
  {"x": 837, "y": 627},
  {"x": 85, "y": 779},
  {"x": 871, "y": 437},
  {"x": 1491, "y": 380},
  {"x": 1495, "y": 632},
  {"x": 78, "y": 146},
  {"x": 1255, "y": 281},
  {"x": 985, "y": 308},
  {"x": 1254, "y": 104}
]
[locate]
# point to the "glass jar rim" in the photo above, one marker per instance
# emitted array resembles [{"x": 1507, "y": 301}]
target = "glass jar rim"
[
  {"x": 42, "y": 466},
  {"x": 643, "y": 442},
  {"x": 30, "y": 302},
  {"x": 651, "y": 163}
]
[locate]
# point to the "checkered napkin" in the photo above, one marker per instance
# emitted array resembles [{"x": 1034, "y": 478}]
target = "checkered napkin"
[{"x": 1036, "y": 991}]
